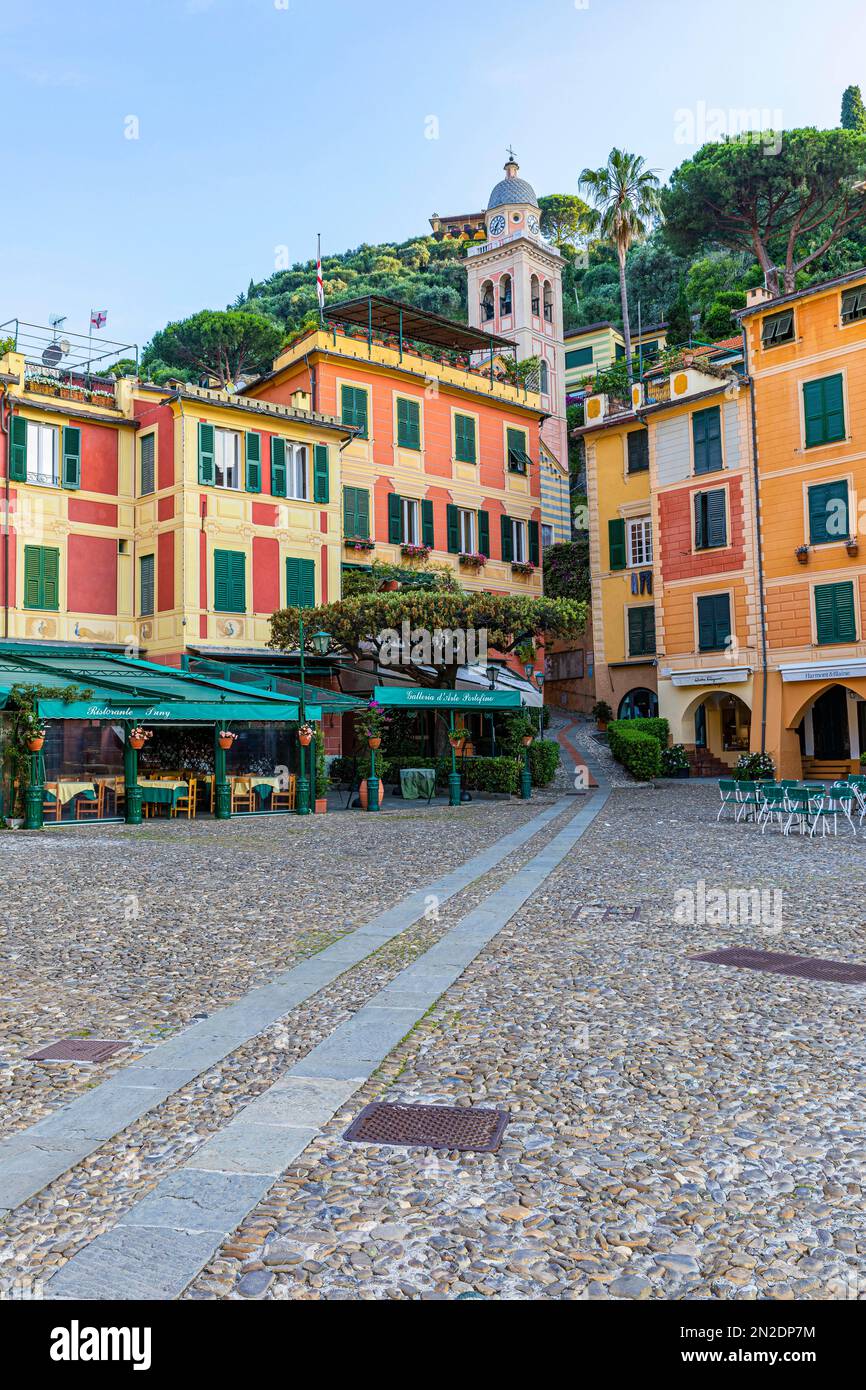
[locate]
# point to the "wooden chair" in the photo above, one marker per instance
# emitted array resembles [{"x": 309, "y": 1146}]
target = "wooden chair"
[
  {"x": 284, "y": 800},
  {"x": 242, "y": 796},
  {"x": 187, "y": 803},
  {"x": 85, "y": 809},
  {"x": 52, "y": 805}
]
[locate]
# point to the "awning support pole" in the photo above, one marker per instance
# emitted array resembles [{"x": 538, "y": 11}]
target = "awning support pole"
[
  {"x": 34, "y": 794},
  {"x": 132, "y": 791},
  {"x": 454, "y": 775},
  {"x": 223, "y": 794}
]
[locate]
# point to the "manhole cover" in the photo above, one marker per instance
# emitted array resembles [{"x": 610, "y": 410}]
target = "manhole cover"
[
  {"x": 429, "y": 1127},
  {"x": 77, "y": 1050},
  {"x": 806, "y": 967}
]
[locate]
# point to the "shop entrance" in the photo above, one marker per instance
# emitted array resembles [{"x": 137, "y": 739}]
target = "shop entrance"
[{"x": 830, "y": 724}]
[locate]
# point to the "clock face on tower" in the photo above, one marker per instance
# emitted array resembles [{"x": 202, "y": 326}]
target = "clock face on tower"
[
  {"x": 497, "y": 225},
  {"x": 532, "y": 225}
]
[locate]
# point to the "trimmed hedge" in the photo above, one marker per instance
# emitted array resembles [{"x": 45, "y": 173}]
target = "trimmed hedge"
[
  {"x": 638, "y": 751},
  {"x": 543, "y": 762},
  {"x": 480, "y": 774},
  {"x": 659, "y": 728}
]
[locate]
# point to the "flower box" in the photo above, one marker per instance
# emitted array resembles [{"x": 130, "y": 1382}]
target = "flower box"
[
  {"x": 475, "y": 562},
  {"x": 358, "y": 543},
  {"x": 522, "y": 567},
  {"x": 415, "y": 552}
]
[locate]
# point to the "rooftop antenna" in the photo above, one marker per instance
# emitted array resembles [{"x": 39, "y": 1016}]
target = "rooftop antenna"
[{"x": 57, "y": 348}]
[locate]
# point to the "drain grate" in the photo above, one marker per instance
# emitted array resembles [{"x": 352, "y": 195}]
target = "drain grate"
[
  {"x": 806, "y": 967},
  {"x": 77, "y": 1050},
  {"x": 429, "y": 1127}
]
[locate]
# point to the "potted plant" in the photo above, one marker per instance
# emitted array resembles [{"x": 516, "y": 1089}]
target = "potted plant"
[
  {"x": 226, "y": 738},
  {"x": 522, "y": 567},
  {"x": 34, "y": 735},
  {"x": 371, "y": 723},
  {"x": 675, "y": 762},
  {"x": 802, "y": 554},
  {"x": 415, "y": 552},
  {"x": 475, "y": 561},
  {"x": 754, "y": 767},
  {"x": 602, "y": 714},
  {"x": 457, "y": 738},
  {"x": 852, "y": 545},
  {"x": 138, "y": 736},
  {"x": 305, "y": 735}
]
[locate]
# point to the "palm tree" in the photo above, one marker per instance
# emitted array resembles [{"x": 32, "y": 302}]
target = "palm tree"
[{"x": 625, "y": 194}]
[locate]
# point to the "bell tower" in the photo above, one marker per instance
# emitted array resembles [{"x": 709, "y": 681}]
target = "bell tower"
[{"x": 515, "y": 289}]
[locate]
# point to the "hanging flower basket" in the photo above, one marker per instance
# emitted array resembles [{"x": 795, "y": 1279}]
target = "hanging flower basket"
[
  {"x": 138, "y": 736},
  {"x": 852, "y": 546},
  {"x": 225, "y": 738},
  {"x": 35, "y": 743},
  {"x": 526, "y": 740},
  {"x": 305, "y": 735},
  {"x": 375, "y": 742},
  {"x": 802, "y": 554}
]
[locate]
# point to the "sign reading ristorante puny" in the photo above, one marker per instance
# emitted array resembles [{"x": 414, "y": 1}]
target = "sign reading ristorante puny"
[
  {"x": 186, "y": 711},
  {"x": 416, "y": 698}
]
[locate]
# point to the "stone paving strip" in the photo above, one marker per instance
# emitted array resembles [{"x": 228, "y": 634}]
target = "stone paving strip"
[
  {"x": 158, "y": 1247},
  {"x": 34, "y": 1157}
]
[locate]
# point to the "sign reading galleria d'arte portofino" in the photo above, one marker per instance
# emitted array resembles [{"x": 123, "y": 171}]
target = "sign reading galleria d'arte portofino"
[{"x": 446, "y": 699}]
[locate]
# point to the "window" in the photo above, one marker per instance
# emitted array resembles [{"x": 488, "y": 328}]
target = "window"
[
  {"x": 518, "y": 540},
  {"x": 579, "y": 357},
  {"x": 356, "y": 512},
  {"x": 296, "y": 471},
  {"x": 548, "y": 302},
  {"x": 464, "y": 438},
  {"x": 544, "y": 378},
  {"x": 505, "y": 294},
  {"x": 353, "y": 408},
  {"x": 642, "y": 631},
  {"x": 778, "y": 328},
  {"x": 640, "y": 541},
  {"x": 41, "y": 577},
  {"x": 227, "y": 456},
  {"x": 638, "y": 451},
  {"x": 409, "y": 530},
  {"x": 707, "y": 439},
  {"x": 408, "y": 423},
  {"x": 854, "y": 304},
  {"x": 146, "y": 461},
  {"x": 714, "y": 622},
  {"x": 229, "y": 581},
  {"x": 828, "y": 512},
  {"x": 300, "y": 583},
  {"x": 834, "y": 613},
  {"x": 42, "y": 454},
  {"x": 823, "y": 410},
  {"x": 535, "y": 296},
  {"x": 711, "y": 522},
  {"x": 466, "y": 523},
  {"x": 518, "y": 459},
  {"x": 145, "y": 585},
  {"x": 546, "y": 535},
  {"x": 487, "y": 310}
]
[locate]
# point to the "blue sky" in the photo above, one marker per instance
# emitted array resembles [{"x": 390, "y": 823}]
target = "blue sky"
[{"x": 261, "y": 122}]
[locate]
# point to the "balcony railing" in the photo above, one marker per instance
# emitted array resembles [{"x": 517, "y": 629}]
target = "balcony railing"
[
  {"x": 71, "y": 386},
  {"x": 475, "y": 363}
]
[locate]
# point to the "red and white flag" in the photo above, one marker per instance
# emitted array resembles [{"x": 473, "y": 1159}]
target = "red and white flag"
[
  {"x": 98, "y": 318},
  {"x": 320, "y": 284}
]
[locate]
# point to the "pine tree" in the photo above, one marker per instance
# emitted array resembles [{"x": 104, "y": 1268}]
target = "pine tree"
[
  {"x": 853, "y": 111},
  {"x": 679, "y": 319}
]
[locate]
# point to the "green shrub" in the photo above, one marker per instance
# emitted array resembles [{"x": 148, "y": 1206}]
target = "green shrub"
[
  {"x": 659, "y": 728},
  {"x": 543, "y": 762},
  {"x": 639, "y": 752},
  {"x": 490, "y": 774},
  {"x": 752, "y": 767}
]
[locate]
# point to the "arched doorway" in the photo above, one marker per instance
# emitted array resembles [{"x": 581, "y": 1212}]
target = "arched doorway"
[
  {"x": 640, "y": 703},
  {"x": 722, "y": 725},
  {"x": 830, "y": 725}
]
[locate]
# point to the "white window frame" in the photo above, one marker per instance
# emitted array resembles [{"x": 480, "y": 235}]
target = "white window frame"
[
  {"x": 297, "y": 472},
  {"x": 467, "y": 523},
  {"x": 639, "y": 540},
  {"x": 410, "y": 521},
  {"x": 519, "y": 546},
  {"x": 229, "y": 478},
  {"x": 547, "y": 535},
  {"x": 43, "y": 440}
]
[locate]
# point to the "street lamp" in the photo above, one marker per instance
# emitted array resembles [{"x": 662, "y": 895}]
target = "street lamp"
[
  {"x": 492, "y": 672},
  {"x": 320, "y": 641},
  {"x": 539, "y": 680}
]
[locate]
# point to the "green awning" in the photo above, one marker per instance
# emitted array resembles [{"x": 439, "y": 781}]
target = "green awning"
[
  {"x": 123, "y": 688},
  {"x": 271, "y": 676}
]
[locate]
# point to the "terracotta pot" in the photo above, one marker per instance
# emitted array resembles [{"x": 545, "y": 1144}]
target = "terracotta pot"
[
  {"x": 34, "y": 744},
  {"x": 852, "y": 547},
  {"x": 526, "y": 740},
  {"x": 362, "y": 793},
  {"x": 321, "y": 805},
  {"x": 803, "y": 557},
  {"x": 226, "y": 742},
  {"x": 137, "y": 742},
  {"x": 390, "y": 585},
  {"x": 601, "y": 725},
  {"x": 375, "y": 742},
  {"x": 305, "y": 740}
]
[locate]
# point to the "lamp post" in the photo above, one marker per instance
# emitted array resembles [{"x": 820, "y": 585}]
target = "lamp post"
[
  {"x": 539, "y": 681},
  {"x": 491, "y": 676},
  {"x": 320, "y": 641},
  {"x": 453, "y": 776}
]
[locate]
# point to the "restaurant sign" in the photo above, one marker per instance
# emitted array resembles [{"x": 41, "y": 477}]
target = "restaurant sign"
[
  {"x": 179, "y": 712},
  {"x": 416, "y": 698}
]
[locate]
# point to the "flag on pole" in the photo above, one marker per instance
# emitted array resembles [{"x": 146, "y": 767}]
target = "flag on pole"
[
  {"x": 320, "y": 286},
  {"x": 98, "y": 318}
]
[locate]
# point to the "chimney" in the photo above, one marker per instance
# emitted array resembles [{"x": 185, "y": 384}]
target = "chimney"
[{"x": 757, "y": 296}]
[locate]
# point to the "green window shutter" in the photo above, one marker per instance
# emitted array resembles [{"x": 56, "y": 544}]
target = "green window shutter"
[
  {"x": 278, "y": 467},
  {"x": 356, "y": 512},
  {"x": 408, "y": 423},
  {"x": 711, "y": 524},
  {"x": 71, "y": 474},
  {"x": 395, "y": 530},
  {"x": 835, "y": 619},
  {"x": 518, "y": 459},
  {"x": 714, "y": 622},
  {"x": 254, "y": 461},
  {"x": 484, "y": 533},
  {"x": 146, "y": 585},
  {"x": 427, "y": 531},
  {"x": 616, "y": 543},
  {"x": 32, "y": 576},
  {"x": 700, "y": 521},
  {"x": 50, "y": 578},
  {"x": 641, "y": 631},
  {"x": 230, "y": 589},
  {"x": 823, "y": 410},
  {"x": 221, "y": 585},
  {"x": 464, "y": 438},
  {"x": 828, "y": 512},
  {"x": 300, "y": 583},
  {"x": 18, "y": 449},
  {"x": 321, "y": 483},
  {"x": 353, "y": 408},
  {"x": 638, "y": 451},
  {"x": 507, "y": 543},
  {"x": 206, "y": 465},
  {"x": 238, "y": 581},
  {"x": 534, "y": 545},
  {"x": 707, "y": 437},
  {"x": 147, "y": 457},
  {"x": 453, "y": 521}
]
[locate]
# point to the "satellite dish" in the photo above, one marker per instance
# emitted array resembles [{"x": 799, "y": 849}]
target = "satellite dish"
[{"x": 52, "y": 355}]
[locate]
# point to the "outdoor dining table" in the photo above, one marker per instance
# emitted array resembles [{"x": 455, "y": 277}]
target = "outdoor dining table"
[
  {"x": 67, "y": 791},
  {"x": 416, "y": 782},
  {"x": 163, "y": 793},
  {"x": 263, "y": 786}
]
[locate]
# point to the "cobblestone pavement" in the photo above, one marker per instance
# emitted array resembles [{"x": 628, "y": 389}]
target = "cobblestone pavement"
[
  {"x": 677, "y": 1129},
  {"x": 131, "y": 933}
]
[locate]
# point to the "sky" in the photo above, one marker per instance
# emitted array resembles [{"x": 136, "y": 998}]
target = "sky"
[{"x": 160, "y": 153}]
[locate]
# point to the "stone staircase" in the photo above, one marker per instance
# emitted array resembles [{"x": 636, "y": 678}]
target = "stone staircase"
[
  {"x": 703, "y": 763},
  {"x": 819, "y": 770}
]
